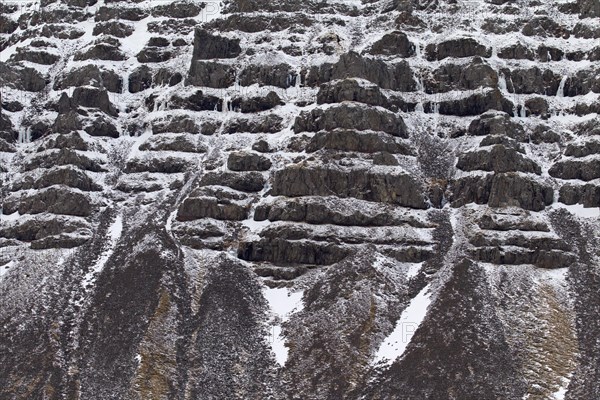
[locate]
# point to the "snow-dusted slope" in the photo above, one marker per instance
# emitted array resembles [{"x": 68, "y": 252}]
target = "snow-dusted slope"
[{"x": 299, "y": 200}]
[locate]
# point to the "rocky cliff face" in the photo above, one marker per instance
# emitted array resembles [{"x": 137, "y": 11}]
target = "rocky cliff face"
[{"x": 300, "y": 200}]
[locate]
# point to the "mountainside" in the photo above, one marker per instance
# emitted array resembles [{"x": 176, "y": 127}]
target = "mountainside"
[{"x": 394, "y": 199}]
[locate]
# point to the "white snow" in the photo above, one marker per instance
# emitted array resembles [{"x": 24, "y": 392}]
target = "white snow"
[
  {"x": 580, "y": 211},
  {"x": 560, "y": 393},
  {"x": 283, "y": 303},
  {"x": 114, "y": 233},
  {"x": 10, "y": 217},
  {"x": 5, "y": 268},
  {"x": 395, "y": 344}
]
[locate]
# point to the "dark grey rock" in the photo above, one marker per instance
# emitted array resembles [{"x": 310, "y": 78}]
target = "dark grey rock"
[
  {"x": 351, "y": 140},
  {"x": 242, "y": 181},
  {"x": 402, "y": 189},
  {"x": 114, "y": 28},
  {"x": 351, "y": 116},
  {"x": 94, "y": 98},
  {"x": 498, "y": 159},
  {"x": 395, "y": 43},
  {"x": 208, "y": 46},
  {"x": 241, "y": 161},
  {"x": 269, "y": 123},
  {"x": 55, "y": 199},
  {"x": 458, "y": 48},
  {"x": 211, "y": 74},
  {"x": 576, "y": 169},
  {"x": 351, "y": 90}
]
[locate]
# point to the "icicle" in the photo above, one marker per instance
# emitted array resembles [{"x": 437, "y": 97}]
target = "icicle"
[
  {"x": 420, "y": 86},
  {"x": 419, "y": 107},
  {"x": 502, "y": 83},
  {"x": 418, "y": 49},
  {"x": 561, "y": 87},
  {"x": 227, "y": 104},
  {"x": 522, "y": 114}
]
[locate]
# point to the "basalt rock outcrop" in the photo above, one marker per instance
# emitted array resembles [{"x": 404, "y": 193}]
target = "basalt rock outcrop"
[{"x": 299, "y": 200}]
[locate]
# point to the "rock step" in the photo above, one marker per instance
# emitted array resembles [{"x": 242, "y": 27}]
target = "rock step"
[
  {"x": 337, "y": 211},
  {"x": 506, "y": 255},
  {"x": 47, "y": 230},
  {"x": 384, "y": 186}
]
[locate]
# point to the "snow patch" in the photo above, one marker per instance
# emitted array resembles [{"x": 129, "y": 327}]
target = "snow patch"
[
  {"x": 579, "y": 210},
  {"x": 282, "y": 303},
  {"x": 114, "y": 233},
  {"x": 395, "y": 344}
]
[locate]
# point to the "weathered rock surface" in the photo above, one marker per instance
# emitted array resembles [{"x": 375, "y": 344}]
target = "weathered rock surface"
[{"x": 312, "y": 200}]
